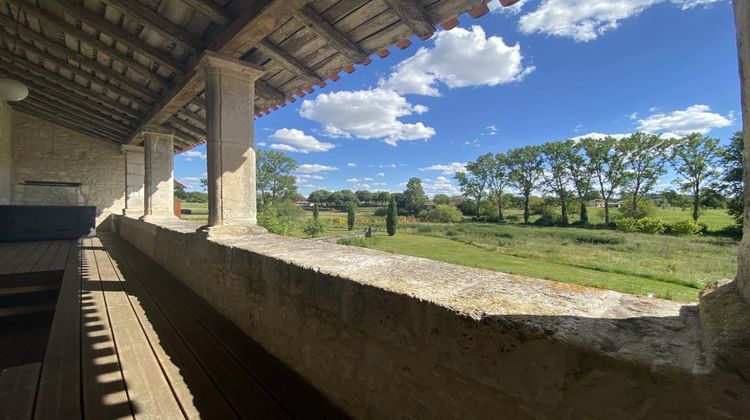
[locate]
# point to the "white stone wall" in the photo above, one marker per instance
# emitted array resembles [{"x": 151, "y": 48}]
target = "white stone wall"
[
  {"x": 6, "y": 160},
  {"x": 42, "y": 151},
  {"x": 134, "y": 174}
]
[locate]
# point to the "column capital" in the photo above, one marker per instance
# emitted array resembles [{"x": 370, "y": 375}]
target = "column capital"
[
  {"x": 125, "y": 148},
  {"x": 212, "y": 61}
]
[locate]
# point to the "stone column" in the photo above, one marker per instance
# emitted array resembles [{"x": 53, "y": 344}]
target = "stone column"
[
  {"x": 134, "y": 180},
  {"x": 158, "y": 173},
  {"x": 6, "y": 155},
  {"x": 230, "y": 96},
  {"x": 742, "y": 22}
]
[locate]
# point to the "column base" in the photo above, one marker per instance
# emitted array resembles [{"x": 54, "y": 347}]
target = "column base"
[{"x": 234, "y": 229}]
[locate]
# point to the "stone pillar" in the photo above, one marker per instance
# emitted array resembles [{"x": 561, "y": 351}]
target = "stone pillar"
[
  {"x": 230, "y": 96},
  {"x": 134, "y": 180},
  {"x": 158, "y": 173},
  {"x": 742, "y": 22},
  {"x": 6, "y": 155}
]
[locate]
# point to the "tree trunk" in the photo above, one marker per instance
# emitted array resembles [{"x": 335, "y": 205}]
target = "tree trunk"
[
  {"x": 500, "y": 210},
  {"x": 526, "y": 212},
  {"x": 564, "y": 211},
  {"x": 584, "y": 213},
  {"x": 606, "y": 212},
  {"x": 696, "y": 203}
]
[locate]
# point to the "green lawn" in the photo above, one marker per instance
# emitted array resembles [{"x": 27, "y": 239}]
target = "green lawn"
[{"x": 666, "y": 266}]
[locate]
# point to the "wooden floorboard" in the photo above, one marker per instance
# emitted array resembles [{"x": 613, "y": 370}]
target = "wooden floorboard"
[
  {"x": 30, "y": 260},
  {"x": 16, "y": 255},
  {"x": 17, "y": 390},
  {"x": 45, "y": 260},
  {"x": 147, "y": 387},
  {"x": 59, "y": 393}
]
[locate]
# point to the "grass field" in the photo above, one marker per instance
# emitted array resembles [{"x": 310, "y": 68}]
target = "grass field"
[{"x": 666, "y": 266}]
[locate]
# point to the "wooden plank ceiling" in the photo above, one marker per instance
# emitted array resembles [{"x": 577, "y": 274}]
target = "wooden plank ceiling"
[{"x": 106, "y": 67}]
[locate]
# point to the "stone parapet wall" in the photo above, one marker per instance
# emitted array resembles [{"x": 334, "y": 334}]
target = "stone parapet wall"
[
  {"x": 42, "y": 151},
  {"x": 390, "y": 336}
]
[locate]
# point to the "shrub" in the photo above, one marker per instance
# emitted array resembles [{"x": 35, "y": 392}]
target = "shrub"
[
  {"x": 361, "y": 242},
  {"x": 392, "y": 217},
  {"x": 550, "y": 216},
  {"x": 350, "y": 218},
  {"x": 652, "y": 225},
  {"x": 646, "y": 208},
  {"x": 314, "y": 228},
  {"x": 381, "y": 211},
  {"x": 277, "y": 220},
  {"x": 444, "y": 214},
  {"x": 686, "y": 227},
  {"x": 316, "y": 212},
  {"x": 627, "y": 224},
  {"x": 598, "y": 239}
]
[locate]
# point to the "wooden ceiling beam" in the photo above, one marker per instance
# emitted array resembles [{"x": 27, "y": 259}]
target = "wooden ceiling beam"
[
  {"x": 71, "y": 86},
  {"x": 254, "y": 23},
  {"x": 210, "y": 9},
  {"x": 413, "y": 15},
  {"x": 36, "y": 111},
  {"x": 264, "y": 89},
  {"x": 63, "y": 51},
  {"x": 192, "y": 115},
  {"x": 56, "y": 104},
  {"x": 174, "y": 33},
  {"x": 333, "y": 37},
  {"x": 121, "y": 35},
  {"x": 186, "y": 126},
  {"x": 95, "y": 42},
  {"x": 285, "y": 60},
  {"x": 19, "y": 43}
]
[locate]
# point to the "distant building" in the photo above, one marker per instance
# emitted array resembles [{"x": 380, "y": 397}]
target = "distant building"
[
  {"x": 599, "y": 203},
  {"x": 303, "y": 203}
]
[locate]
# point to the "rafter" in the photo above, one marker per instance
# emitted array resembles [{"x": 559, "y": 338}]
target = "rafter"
[
  {"x": 288, "y": 62},
  {"x": 210, "y": 9},
  {"x": 413, "y": 15},
  {"x": 333, "y": 37},
  {"x": 77, "y": 114},
  {"x": 264, "y": 89},
  {"x": 63, "y": 51},
  {"x": 121, "y": 35},
  {"x": 56, "y": 21},
  {"x": 138, "y": 11},
  {"x": 31, "y": 109}
]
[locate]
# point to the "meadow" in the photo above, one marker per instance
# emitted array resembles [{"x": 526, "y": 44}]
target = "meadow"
[{"x": 669, "y": 267}]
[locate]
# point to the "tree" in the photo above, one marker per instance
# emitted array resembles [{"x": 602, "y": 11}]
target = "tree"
[
  {"x": 350, "y": 215},
  {"x": 675, "y": 199},
  {"x": 382, "y": 197},
  {"x": 319, "y": 196},
  {"x": 557, "y": 157},
  {"x": 732, "y": 183},
  {"x": 391, "y": 218},
  {"x": 364, "y": 197},
  {"x": 441, "y": 199},
  {"x": 414, "y": 196},
  {"x": 525, "y": 164},
  {"x": 645, "y": 156},
  {"x": 695, "y": 158},
  {"x": 498, "y": 180},
  {"x": 274, "y": 179},
  {"x": 580, "y": 170},
  {"x": 607, "y": 167},
  {"x": 473, "y": 182},
  {"x": 316, "y": 212}
]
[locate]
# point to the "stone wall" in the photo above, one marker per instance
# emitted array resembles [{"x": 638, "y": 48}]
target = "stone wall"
[
  {"x": 390, "y": 336},
  {"x": 6, "y": 160},
  {"x": 43, "y": 151}
]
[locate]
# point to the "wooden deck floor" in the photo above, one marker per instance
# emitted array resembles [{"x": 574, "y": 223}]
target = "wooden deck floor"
[{"x": 129, "y": 340}]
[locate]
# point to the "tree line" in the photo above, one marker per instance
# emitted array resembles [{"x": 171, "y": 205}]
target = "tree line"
[{"x": 605, "y": 168}]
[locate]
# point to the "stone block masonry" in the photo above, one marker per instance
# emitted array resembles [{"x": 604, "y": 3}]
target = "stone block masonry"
[
  {"x": 42, "y": 151},
  {"x": 391, "y": 336}
]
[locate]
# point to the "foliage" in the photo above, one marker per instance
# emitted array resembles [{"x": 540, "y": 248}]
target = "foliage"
[
  {"x": 441, "y": 199},
  {"x": 360, "y": 242},
  {"x": 314, "y": 228},
  {"x": 381, "y": 211},
  {"x": 498, "y": 180},
  {"x": 675, "y": 199},
  {"x": 525, "y": 165},
  {"x": 342, "y": 199},
  {"x": 365, "y": 197},
  {"x": 319, "y": 196},
  {"x": 473, "y": 182},
  {"x": 557, "y": 157},
  {"x": 280, "y": 218},
  {"x": 607, "y": 167},
  {"x": 274, "y": 179},
  {"x": 316, "y": 212},
  {"x": 652, "y": 225},
  {"x": 391, "y": 217},
  {"x": 549, "y": 216},
  {"x": 580, "y": 169},
  {"x": 685, "y": 227},
  {"x": 732, "y": 183},
  {"x": 414, "y": 196},
  {"x": 191, "y": 196},
  {"x": 443, "y": 213},
  {"x": 695, "y": 158},
  {"x": 645, "y": 158},
  {"x": 645, "y": 208},
  {"x": 350, "y": 217}
]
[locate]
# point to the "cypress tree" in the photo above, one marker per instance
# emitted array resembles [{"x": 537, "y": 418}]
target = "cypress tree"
[
  {"x": 391, "y": 217},
  {"x": 315, "y": 212},
  {"x": 350, "y": 217}
]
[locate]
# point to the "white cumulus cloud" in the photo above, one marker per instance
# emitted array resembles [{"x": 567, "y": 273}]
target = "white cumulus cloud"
[
  {"x": 460, "y": 58},
  {"x": 447, "y": 169},
  {"x": 441, "y": 185},
  {"x": 586, "y": 20},
  {"x": 366, "y": 114},
  {"x": 293, "y": 140},
  {"x": 599, "y": 136},
  {"x": 694, "y": 119},
  {"x": 193, "y": 154},
  {"x": 310, "y": 168}
]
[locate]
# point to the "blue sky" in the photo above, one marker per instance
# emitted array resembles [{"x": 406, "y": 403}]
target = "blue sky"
[{"x": 511, "y": 78}]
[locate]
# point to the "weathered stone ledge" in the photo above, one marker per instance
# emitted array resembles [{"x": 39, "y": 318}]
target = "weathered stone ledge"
[{"x": 387, "y": 335}]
